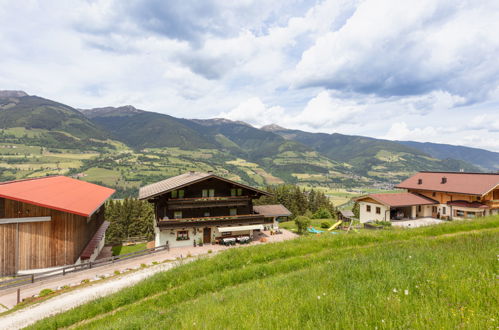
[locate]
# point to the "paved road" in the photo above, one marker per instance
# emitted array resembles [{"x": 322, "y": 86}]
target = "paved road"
[{"x": 8, "y": 297}]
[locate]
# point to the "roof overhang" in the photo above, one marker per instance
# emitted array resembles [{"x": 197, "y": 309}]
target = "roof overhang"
[{"x": 212, "y": 176}]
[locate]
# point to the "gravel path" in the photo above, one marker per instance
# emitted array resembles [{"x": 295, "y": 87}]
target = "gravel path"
[{"x": 67, "y": 301}]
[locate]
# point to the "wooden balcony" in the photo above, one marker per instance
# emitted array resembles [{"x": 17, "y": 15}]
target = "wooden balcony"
[
  {"x": 213, "y": 221},
  {"x": 493, "y": 204},
  {"x": 202, "y": 202}
]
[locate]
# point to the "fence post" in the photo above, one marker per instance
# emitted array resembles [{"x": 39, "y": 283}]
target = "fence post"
[
  {"x": 18, "y": 295},
  {"x": 90, "y": 265},
  {"x": 32, "y": 278},
  {"x": 64, "y": 271}
]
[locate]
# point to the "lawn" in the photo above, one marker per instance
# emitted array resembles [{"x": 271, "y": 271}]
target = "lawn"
[
  {"x": 125, "y": 249},
  {"x": 315, "y": 223},
  {"x": 442, "y": 277}
]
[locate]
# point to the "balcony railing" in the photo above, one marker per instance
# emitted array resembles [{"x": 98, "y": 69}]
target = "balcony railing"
[
  {"x": 200, "y": 202},
  {"x": 242, "y": 217}
]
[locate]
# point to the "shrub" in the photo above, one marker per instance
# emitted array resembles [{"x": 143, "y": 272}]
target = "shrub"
[
  {"x": 143, "y": 265},
  {"x": 210, "y": 251},
  {"x": 326, "y": 224},
  {"x": 85, "y": 281},
  {"x": 322, "y": 213},
  {"x": 116, "y": 272},
  {"x": 45, "y": 292},
  {"x": 302, "y": 223}
]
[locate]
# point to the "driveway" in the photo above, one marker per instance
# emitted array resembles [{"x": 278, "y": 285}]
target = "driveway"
[
  {"x": 8, "y": 297},
  {"x": 417, "y": 222}
]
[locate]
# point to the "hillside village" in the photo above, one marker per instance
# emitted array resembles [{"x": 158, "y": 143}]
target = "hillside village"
[{"x": 312, "y": 164}]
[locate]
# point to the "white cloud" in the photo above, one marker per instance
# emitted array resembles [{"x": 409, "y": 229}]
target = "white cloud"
[
  {"x": 255, "y": 112},
  {"x": 400, "y": 131}
]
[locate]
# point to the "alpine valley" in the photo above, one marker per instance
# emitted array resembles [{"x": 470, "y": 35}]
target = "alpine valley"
[{"x": 125, "y": 148}]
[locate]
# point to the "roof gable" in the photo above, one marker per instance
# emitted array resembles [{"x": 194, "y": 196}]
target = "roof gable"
[
  {"x": 455, "y": 182},
  {"x": 58, "y": 193},
  {"x": 183, "y": 180}
]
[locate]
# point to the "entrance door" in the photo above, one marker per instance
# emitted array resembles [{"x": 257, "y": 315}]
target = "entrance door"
[{"x": 207, "y": 235}]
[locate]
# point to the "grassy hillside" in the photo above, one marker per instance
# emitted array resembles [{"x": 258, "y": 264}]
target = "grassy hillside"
[
  {"x": 485, "y": 159},
  {"x": 375, "y": 158},
  {"x": 33, "y": 112},
  {"x": 435, "y": 277}
]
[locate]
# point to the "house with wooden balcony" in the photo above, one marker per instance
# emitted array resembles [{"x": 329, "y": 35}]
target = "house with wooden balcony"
[
  {"x": 440, "y": 195},
  {"x": 197, "y": 207}
]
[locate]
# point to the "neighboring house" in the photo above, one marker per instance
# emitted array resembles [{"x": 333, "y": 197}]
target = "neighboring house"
[
  {"x": 442, "y": 195},
  {"x": 49, "y": 222},
  {"x": 203, "y": 207}
]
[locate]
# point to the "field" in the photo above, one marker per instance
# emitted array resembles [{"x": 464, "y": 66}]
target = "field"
[{"x": 439, "y": 277}]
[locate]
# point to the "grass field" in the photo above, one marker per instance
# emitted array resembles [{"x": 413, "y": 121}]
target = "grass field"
[
  {"x": 125, "y": 249},
  {"x": 440, "y": 277}
]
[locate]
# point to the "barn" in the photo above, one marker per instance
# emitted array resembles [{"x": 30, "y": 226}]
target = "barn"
[{"x": 49, "y": 222}]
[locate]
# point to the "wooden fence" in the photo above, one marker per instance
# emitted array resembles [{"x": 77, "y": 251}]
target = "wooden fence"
[{"x": 20, "y": 280}]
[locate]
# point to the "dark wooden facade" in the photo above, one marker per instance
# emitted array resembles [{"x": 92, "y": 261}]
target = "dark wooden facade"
[
  {"x": 42, "y": 244},
  {"x": 228, "y": 203}
]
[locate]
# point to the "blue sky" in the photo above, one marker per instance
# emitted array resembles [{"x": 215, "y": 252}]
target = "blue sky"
[{"x": 425, "y": 70}]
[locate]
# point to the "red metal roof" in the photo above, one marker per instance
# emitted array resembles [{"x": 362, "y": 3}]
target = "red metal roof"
[
  {"x": 58, "y": 193},
  {"x": 400, "y": 199},
  {"x": 456, "y": 182}
]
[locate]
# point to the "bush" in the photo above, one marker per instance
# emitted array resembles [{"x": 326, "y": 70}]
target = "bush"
[
  {"x": 45, "y": 292},
  {"x": 326, "y": 224},
  {"x": 302, "y": 223},
  {"x": 322, "y": 213}
]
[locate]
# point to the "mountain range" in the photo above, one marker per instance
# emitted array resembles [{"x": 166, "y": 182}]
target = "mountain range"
[{"x": 257, "y": 155}]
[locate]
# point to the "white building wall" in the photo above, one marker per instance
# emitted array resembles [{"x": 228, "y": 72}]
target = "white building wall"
[{"x": 365, "y": 216}]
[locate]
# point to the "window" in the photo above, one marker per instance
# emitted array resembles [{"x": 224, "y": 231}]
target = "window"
[
  {"x": 206, "y": 214},
  {"x": 174, "y": 194},
  {"x": 459, "y": 213},
  {"x": 444, "y": 210},
  {"x": 182, "y": 235},
  {"x": 419, "y": 208},
  {"x": 478, "y": 198},
  {"x": 471, "y": 214},
  {"x": 368, "y": 208},
  {"x": 177, "y": 215},
  {"x": 434, "y": 209},
  {"x": 233, "y": 211},
  {"x": 239, "y": 192},
  {"x": 378, "y": 210},
  {"x": 434, "y": 194},
  {"x": 205, "y": 193},
  {"x": 212, "y": 192},
  {"x": 181, "y": 193},
  {"x": 226, "y": 233},
  {"x": 233, "y": 192},
  {"x": 496, "y": 194}
]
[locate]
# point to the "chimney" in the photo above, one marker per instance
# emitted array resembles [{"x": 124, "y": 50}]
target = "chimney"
[
  {"x": 444, "y": 180},
  {"x": 420, "y": 181}
]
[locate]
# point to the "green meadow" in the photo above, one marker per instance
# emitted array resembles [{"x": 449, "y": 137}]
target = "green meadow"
[{"x": 440, "y": 277}]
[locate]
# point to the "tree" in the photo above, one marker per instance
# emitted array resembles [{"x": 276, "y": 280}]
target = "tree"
[
  {"x": 322, "y": 213},
  {"x": 356, "y": 210},
  {"x": 302, "y": 223}
]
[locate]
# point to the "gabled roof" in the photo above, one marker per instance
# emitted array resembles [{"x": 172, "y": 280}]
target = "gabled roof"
[
  {"x": 277, "y": 210},
  {"x": 456, "y": 182},
  {"x": 183, "y": 180},
  {"x": 58, "y": 193},
  {"x": 399, "y": 199}
]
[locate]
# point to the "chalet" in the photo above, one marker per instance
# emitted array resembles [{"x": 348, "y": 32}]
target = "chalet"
[
  {"x": 203, "y": 207},
  {"x": 49, "y": 222},
  {"x": 441, "y": 195}
]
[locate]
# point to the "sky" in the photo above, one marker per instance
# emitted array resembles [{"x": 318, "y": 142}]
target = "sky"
[{"x": 423, "y": 70}]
